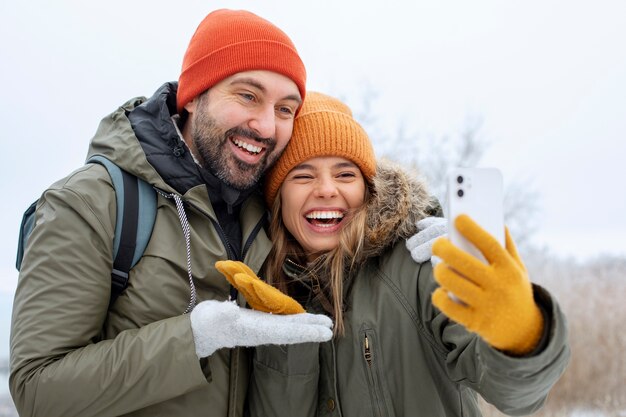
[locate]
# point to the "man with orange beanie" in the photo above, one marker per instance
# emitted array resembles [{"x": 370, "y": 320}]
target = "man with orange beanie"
[{"x": 173, "y": 343}]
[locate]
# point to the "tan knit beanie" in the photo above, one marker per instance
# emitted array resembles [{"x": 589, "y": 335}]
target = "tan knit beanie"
[
  {"x": 230, "y": 41},
  {"x": 324, "y": 127}
]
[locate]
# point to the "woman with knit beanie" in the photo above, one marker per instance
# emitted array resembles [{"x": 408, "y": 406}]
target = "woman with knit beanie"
[{"x": 401, "y": 346}]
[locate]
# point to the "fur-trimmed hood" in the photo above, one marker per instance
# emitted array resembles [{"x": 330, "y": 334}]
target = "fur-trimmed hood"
[{"x": 400, "y": 198}]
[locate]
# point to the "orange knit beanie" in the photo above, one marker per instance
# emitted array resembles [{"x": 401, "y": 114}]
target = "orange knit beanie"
[
  {"x": 230, "y": 41},
  {"x": 324, "y": 127}
]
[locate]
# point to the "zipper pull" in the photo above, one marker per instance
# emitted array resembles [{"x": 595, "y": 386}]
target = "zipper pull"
[{"x": 367, "y": 352}]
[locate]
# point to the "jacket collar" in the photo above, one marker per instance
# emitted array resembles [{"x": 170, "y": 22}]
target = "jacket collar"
[
  {"x": 400, "y": 198},
  {"x": 155, "y": 126}
]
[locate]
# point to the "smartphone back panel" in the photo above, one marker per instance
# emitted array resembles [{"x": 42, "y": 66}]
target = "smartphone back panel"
[{"x": 477, "y": 192}]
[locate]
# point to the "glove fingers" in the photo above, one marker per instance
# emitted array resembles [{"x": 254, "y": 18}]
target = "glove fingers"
[
  {"x": 434, "y": 231},
  {"x": 251, "y": 291},
  {"x": 276, "y": 301},
  {"x": 230, "y": 268},
  {"x": 309, "y": 318},
  {"x": 427, "y": 234},
  {"x": 244, "y": 285},
  {"x": 222, "y": 324},
  {"x": 466, "y": 291},
  {"x": 427, "y": 222},
  {"x": 512, "y": 248},
  {"x": 262, "y": 329},
  {"x": 414, "y": 241},
  {"x": 453, "y": 310},
  {"x": 435, "y": 260},
  {"x": 461, "y": 261},
  {"x": 262, "y": 296},
  {"x": 421, "y": 253},
  {"x": 246, "y": 270},
  {"x": 479, "y": 237},
  {"x": 225, "y": 270}
]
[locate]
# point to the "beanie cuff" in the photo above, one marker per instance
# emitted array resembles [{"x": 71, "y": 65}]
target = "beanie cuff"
[
  {"x": 249, "y": 55},
  {"x": 327, "y": 130}
]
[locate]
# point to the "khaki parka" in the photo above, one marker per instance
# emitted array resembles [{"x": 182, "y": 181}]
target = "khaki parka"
[
  {"x": 70, "y": 354},
  {"x": 400, "y": 356}
]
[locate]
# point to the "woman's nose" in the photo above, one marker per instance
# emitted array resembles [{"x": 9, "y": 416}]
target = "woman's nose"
[{"x": 326, "y": 188}]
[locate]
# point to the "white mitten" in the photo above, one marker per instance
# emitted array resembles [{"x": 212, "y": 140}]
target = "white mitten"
[
  {"x": 223, "y": 324},
  {"x": 421, "y": 244}
]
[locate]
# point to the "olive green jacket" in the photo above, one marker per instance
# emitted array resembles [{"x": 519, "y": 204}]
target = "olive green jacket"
[
  {"x": 400, "y": 356},
  {"x": 70, "y": 354}
]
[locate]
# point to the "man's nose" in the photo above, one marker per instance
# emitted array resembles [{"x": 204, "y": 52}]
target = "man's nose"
[{"x": 263, "y": 122}]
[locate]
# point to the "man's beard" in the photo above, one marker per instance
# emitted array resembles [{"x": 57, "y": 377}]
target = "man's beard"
[{"x": 211, "y": 142}]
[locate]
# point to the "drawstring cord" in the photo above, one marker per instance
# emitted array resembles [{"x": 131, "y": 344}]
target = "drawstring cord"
[{"x": 180, "y": 208}]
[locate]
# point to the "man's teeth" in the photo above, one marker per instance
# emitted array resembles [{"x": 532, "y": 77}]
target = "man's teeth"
[
  {"x": 247, "y": 146},
  {"x": 325, "y": 215}
]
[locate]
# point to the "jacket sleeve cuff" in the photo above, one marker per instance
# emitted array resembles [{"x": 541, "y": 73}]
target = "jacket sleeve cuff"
[{"x": 544, "y": 303}]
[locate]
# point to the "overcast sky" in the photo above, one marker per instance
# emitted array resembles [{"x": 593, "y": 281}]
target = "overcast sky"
[{"x": 548, "y": 79}]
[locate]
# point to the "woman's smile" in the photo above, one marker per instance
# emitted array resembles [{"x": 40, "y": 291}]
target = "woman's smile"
[{"x": 318, "y": 197}]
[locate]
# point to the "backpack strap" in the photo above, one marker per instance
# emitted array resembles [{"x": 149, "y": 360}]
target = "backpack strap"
[
  {"x": 136, "y": 213},
  {"x": 28, "y": 223}
]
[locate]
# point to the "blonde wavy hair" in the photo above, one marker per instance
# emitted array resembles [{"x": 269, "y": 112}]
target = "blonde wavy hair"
[{"x": 332, "y": 269}]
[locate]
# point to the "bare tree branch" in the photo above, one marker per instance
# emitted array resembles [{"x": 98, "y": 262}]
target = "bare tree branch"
[{"x": 433, "y": 156}]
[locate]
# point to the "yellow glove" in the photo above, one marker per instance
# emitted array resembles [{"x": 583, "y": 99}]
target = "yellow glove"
[
  {"x": 496, "y": 299},
  {"x": 260, "y": 295}
]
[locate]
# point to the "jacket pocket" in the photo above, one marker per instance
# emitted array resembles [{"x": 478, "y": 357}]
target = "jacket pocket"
[
  {"x": 284, "y": 381},
  {"x": 372, "y": 361}
]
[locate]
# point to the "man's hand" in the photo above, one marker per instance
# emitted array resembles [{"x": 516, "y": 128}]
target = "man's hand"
[
  {"x": 223, "y": 324},
  {"x": 496, "y": 299},
  {"x": 428, "y": 230},
  {"x": 260, "y": 295}
]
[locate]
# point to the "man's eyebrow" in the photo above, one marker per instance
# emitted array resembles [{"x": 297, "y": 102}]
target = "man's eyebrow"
[
  {"x": 254, "y": 83},
  {"x": 250, "y": 81}
]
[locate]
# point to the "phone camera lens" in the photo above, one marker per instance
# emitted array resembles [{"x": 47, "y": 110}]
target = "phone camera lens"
[
  {"x": 459, "y": 179},
  {"x": 460, "y": 193}
]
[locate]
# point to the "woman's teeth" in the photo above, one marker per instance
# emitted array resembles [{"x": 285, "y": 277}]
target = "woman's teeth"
[
  {"x": 324, "y": 218},
  {"x": 325, "y": 215}
]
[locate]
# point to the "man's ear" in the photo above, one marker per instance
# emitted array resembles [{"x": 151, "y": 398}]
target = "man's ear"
[{"x": 191, "y": 105}]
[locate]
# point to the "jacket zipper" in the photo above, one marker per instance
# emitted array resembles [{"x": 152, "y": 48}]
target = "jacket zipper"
[
  {"x": 253, "y": 235},
  {"x": 230, "y": 252},
  {"x": 367, "y": 353},
  {"x": 372, "y": 376}
]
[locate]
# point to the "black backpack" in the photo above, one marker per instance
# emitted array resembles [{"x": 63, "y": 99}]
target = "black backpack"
[{"x": 136, "y": 213}]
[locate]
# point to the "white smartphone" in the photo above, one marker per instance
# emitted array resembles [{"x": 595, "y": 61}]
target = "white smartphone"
[{"x": 477, "y": 192}]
